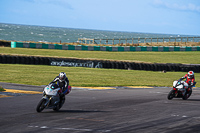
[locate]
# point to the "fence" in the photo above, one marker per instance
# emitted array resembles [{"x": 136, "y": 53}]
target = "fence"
[{"x": 138, "y": 40}]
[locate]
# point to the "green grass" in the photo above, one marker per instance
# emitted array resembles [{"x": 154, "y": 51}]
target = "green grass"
[
  {"x": 1, "y": 89},
  {"x": 153, "y": 57},
  {"x": 42, "y": 75}
]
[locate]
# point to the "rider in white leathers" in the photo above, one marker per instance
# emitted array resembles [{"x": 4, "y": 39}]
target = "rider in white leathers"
[{"x": 63, "y": 83}]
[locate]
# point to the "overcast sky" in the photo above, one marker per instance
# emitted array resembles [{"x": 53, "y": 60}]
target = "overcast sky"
[{"x": 149, "y": 16}]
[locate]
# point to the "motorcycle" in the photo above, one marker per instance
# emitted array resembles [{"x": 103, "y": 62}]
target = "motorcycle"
[
  {"x": 51, "y": 98},
  {"x": 180, "y": 90}
]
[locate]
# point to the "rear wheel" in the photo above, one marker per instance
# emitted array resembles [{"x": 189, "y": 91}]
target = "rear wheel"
[
  {"x": 171, "y": 95},
  {"x": 63, "y": 101},
  {"x": 56, "y": 108},
  {"x": 41, "y": 105},
  {"x": 187, "y": 95},
  {"x": 59, "y": 105}
]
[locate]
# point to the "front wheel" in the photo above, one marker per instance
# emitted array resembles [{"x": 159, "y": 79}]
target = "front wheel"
[
  {"x": 171, "y": 95},
  {"x": 41, "y": 105}
]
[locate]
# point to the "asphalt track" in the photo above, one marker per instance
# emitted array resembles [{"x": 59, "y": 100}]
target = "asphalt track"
[{"x": 112, "y": 110}]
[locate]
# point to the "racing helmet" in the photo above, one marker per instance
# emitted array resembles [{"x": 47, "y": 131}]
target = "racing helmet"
[
  {"x": 190, "y": 74},
  {"x": 62, "y": 76}
]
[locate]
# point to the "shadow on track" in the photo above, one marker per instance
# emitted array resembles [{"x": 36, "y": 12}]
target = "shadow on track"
[
  {"x": 193, "y": 99},
  {"x": 75, "y": 111},
  {"x": 178, "y": 99}
]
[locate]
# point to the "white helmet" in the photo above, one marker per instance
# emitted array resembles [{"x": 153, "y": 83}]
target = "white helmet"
[
  {"x": 190, "y": 74},
  {"x": 62, "y": 76}
]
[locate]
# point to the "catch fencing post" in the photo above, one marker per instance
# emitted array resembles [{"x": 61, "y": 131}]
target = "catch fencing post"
[
  {"x": 132, "y": 40},
  {"x": 157, "y": 40}
]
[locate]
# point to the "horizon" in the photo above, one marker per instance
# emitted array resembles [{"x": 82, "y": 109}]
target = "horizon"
[{"x": 101, "y": 30}]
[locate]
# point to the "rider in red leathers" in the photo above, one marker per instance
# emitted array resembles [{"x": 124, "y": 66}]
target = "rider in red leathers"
[{"x": 190, "y": 80}]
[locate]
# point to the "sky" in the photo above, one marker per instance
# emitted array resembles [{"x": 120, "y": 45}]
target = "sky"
[{"x": 146, "y": 16}]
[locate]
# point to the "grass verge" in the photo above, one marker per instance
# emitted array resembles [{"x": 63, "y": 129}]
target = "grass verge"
[
  {"x": 152, "y": 57},
  {"x": 87, "y": 77},
  {"x": 2, "y": 89}
]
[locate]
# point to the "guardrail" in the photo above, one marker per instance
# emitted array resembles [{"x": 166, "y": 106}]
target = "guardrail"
[
  {"x": 138, "y": 40},
  {"x": 104, "y": 48}
]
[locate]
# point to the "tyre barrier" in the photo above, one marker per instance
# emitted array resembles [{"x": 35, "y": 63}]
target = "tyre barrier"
[
  {"x": 34, "y": 60},
  {"x": 5, "y": 44},
  {"x": 151, "y": 67},
  {"x": 9, "y": 59}
]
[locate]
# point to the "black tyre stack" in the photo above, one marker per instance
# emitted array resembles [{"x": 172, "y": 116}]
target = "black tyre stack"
[{"x": 35, "y": 60}]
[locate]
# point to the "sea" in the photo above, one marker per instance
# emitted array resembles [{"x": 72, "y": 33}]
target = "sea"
[{"x": 17, "y": 32}]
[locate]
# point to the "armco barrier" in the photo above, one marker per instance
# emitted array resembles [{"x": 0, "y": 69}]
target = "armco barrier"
[
  {"x": 104, "y": 48},
  {"x": 35, "y": 60}
]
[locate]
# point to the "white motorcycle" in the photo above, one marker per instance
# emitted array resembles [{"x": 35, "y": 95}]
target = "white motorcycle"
[
  {"x": 51, "y": 98},
  {"x": 180, "y": 90}
]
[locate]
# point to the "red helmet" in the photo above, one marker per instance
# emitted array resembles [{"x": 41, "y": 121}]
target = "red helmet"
[{"x": 190, "y": 74}]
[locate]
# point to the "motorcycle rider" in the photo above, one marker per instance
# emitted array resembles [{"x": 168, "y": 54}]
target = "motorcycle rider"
[
  {"x": 190, "y": 80},
  {"x": 63, "y": 83}
]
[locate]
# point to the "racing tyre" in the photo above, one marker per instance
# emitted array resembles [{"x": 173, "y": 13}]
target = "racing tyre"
[
  {"x": 59, "y": 105},
  {"x": 41, "y": 105},
  {"x": 56, "y": 108},
  {"x": 187, "y": 95},
  {"x": 171, "y": 95}
]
